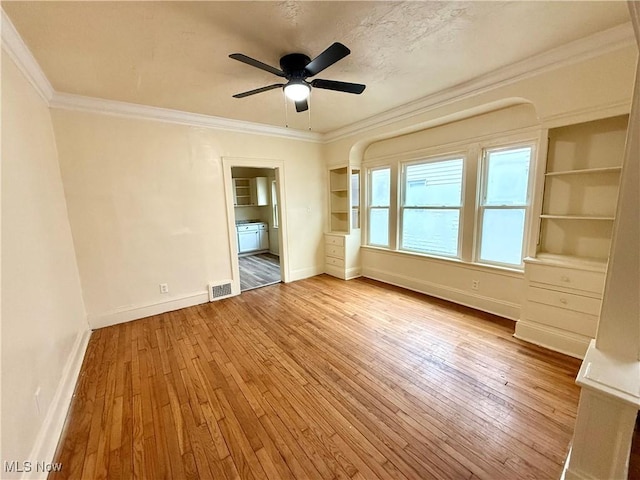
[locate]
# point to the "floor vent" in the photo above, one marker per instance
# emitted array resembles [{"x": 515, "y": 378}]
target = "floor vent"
[{"x": 218, "y": 292}]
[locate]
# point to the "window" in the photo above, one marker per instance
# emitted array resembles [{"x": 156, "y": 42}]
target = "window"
[
  {"x": 379, "y": 202},
  {"x": 274, "y": 203},
  {"x": 504, "y": 201},
  {"x": 431, "y": 207}
]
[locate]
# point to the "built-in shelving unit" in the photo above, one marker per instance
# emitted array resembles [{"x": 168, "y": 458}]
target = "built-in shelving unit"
[
  {"x": 565, "y": 277},
  {"x": 242, "y": 192},
  {"x": 342, "y": 243},
  {"x": 581, "y": 188},
  {"x": 339, "y": 191},
  {"x": 250, "y": 192}
]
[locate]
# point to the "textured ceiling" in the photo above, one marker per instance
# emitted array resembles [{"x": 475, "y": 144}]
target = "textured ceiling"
[{"x": 175, "y": 54}]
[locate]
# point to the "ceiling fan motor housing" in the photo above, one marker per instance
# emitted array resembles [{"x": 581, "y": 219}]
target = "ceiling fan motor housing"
[
  {"x": 296, "y": 68},
  {"x": 293, "y": 65}
]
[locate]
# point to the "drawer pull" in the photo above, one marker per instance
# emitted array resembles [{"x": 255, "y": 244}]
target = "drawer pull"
[
  {"x": 566, "y": 279},
  {"x": 563, "y": 301}
]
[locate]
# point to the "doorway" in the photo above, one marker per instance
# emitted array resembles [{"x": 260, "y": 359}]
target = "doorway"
[
  {"x": 255, "y": 206},
  {"x": 256, "y": 222}
]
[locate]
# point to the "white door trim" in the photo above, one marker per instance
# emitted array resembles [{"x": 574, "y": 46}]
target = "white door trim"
[{"x": 278, "y": 166}]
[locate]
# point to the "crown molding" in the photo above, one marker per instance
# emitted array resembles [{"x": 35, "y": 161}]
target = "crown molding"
[
  {"x": 577, "y": 51},
  {"x": 580, "y": 50},
  {"x": 18, "y": 51},
  {"x": 68, "y": 101}
]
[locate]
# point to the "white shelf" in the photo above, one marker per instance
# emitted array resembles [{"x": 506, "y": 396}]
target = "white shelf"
[
  {"x": 576, "y": 217},
  {"x": 588, "y": 263},
  {"x": 585, "y": 171}
]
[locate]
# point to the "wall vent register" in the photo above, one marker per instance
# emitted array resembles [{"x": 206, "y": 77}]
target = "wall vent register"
[{"x": 219, "y": 291}]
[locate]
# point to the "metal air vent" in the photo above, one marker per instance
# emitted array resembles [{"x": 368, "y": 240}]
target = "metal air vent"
[{"x": 219, "y": 291}]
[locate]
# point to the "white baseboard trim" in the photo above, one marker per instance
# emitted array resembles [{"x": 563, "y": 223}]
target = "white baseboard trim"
[
  {"x": 554, "y": 339},
  {"x": 340, "y": 272},
  {"x": 570, "y": 474},
  {"x": 354, "y": 272},
  {"x": 134, "y": 313},
  {"x": 302, "y": 273},
  {"x": 48, "y": 436},
  {"x": 334, "y": 271},
  {"x": 479, "y": 302}
]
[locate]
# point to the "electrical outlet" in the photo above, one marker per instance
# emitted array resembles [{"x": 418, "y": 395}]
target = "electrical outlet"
[
  {"x": 475, "y": 284},
  {"x": 164, "y": 288}
]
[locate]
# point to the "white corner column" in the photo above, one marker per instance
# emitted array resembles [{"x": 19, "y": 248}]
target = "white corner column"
[
  {"x": 609, "y": 404},
  {"x": 610, "y": 372}
]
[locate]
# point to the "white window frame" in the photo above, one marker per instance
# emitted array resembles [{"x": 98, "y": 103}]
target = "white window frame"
[
  {"x": 371, "y": 207},
  {"x": 460, "y": 208},
  {"x": 482, "y": 193}
]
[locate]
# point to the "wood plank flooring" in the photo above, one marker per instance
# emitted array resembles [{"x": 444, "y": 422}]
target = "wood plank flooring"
[
  {"x": 319, "y": 379},
  {"x": 258, "y": 270}
]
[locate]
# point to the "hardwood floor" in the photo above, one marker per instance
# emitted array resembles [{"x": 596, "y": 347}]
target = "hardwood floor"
[
  {"x": 258, "y": 270},
  {"x": 319, "y": 378}
]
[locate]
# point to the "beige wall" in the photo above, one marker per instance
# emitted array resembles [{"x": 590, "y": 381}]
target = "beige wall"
[
  {"x": 595, "y": 88},
  {"x": 567, "y": 94},
  {"x": 42, "y": 311},
  {"x": 146, "y": 205}
]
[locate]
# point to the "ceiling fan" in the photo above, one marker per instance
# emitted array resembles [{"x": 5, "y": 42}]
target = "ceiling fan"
[{"x": 296, "y": 68}]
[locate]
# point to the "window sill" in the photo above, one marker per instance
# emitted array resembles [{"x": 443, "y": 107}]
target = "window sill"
[{"x": 513, "y": 272}]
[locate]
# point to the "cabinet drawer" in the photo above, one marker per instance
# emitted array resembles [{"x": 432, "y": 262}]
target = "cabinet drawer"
[
  {"x": 334, "y": 240},
  {"x": 337, "y": 262},
  {"x": 334, "y": 251},
  {"x": 569, "y": 301},
  {"x": 567, "y": 278},
  {"x": 569, "y": 320}
]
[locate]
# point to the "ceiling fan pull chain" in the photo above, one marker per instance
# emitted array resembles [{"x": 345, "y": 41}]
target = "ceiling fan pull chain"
[
  {"x": 286, "y": 112},
  {"x": 309, "y": 110}
]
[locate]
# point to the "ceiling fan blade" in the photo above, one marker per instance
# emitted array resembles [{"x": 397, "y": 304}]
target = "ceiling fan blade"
[
  {"x": 302, "y": 106},
  {"x": 331, "y": 55},
  {"x": 258, "y": 90},
  {"x": 256, "y": 63},
  {"x": 347, "y": 87}
]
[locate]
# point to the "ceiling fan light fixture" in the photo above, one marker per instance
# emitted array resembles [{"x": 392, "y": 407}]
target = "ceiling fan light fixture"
[{"x": 297, "y": 91}]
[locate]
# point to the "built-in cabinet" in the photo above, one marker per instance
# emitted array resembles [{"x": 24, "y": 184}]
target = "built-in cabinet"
[
  {"x": 252, "y": 237},
  {"x": 565, "y": 277},
  {"x": 250, "y": 192},
  {"x": 342, "y": 242}
]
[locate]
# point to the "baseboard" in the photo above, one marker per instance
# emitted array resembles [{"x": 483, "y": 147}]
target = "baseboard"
[
  {"x": 354, "y": 272},
  {"x": 554, "y": 339},
  {"x": 302, "y": 273},
  {"x": 134, "y": 313},
  {"x": 48, "y": 436},
  {"x": 570, "y": 474},
  {"x": 479, "y": 302},
  {"x": 340, "y": 272}
]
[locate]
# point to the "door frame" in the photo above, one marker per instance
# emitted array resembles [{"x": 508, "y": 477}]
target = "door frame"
[{"x": 278, "y": 165}]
